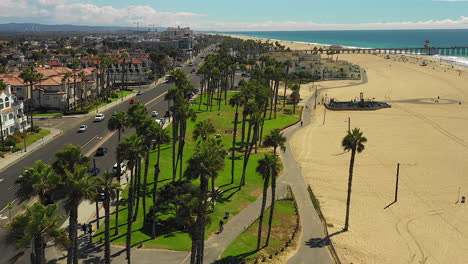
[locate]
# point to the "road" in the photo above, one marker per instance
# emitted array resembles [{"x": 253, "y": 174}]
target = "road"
[{"x": 96, "y": 135}]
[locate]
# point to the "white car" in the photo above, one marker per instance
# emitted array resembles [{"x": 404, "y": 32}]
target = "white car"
[
  {"x": 123, "y": 168},
  {"x": 99, "y": 117},
  {"x": 154, "y": 113},
  {"x": 82, "y": 128}
]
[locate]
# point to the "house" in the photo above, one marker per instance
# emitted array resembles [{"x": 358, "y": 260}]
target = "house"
[{"x": 12, "y": 115}]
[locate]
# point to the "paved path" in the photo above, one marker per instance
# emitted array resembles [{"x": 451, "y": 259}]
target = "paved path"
[{"x": 312, "y": 228}]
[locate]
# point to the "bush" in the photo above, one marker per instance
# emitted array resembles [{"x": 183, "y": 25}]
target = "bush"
[
  {"x": 15, "y": 138},
  {"x": 34, "y": 129},
  {"x": 5, "y": 149},
  {"x": 15, "y": 149},
  {"x": 10, "y": 142}
]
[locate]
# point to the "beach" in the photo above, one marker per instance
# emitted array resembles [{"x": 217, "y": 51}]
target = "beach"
[{"x": 425, "y": 131}]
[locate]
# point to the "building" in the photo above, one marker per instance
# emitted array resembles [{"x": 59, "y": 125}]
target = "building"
[
  {"x": 12, "y": 115},
  {"x": 176, "y": 33}
]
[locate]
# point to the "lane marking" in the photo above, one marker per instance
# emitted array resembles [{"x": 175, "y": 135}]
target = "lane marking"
[{"x": 89, "y": 142}]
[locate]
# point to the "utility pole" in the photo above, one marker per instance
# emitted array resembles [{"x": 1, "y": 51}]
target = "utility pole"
[
  {"x": 324, "y": 112},
  {"x": 315, "y": 104},
  {"x": 349, "y": 124},
  {"x": 396, "y": 186}
]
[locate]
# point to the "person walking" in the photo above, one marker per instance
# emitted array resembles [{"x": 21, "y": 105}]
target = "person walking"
[
  {"x": 301, "y": 122},
  {"x": 83, "y": 228},
  {"x": 221, "y": 226}
]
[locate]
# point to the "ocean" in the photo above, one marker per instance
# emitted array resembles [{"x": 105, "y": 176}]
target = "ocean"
[{"x": 375, "y": 39}]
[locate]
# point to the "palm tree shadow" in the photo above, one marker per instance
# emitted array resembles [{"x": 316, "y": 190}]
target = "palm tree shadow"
[
  {"x": 390, "y": 204},
  {"x": 235, "y": 259},
  {"x": 322, "y": 242}
]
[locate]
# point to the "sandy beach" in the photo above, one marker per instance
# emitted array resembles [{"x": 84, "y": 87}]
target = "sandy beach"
[{"x": 426, "y": 135}]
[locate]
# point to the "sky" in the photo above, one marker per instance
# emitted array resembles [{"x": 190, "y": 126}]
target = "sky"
[{"x": 243, "y": 15}]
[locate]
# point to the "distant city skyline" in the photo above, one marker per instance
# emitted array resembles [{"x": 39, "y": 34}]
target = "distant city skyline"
[{"x": 243, "y": 15}]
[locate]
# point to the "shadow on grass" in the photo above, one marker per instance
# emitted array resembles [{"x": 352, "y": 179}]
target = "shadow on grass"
[{"x": 235, "y": 259}]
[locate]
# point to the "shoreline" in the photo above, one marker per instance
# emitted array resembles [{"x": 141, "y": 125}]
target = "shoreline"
[{"x": 454, "y": 60}]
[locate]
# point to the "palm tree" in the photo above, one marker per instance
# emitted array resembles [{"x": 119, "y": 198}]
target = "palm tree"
[
  {"x": 236, "y": 100},
  {"x": 2, "y": 88},
  {"x": 264, "y": 168},
  {"x": 275, "y": 139},
  {"x": 118, "y": 121},
  {"x": 203, "y": 129},
  {"x": 35, "y": 227},
  {"x": 161, "y": 137},
  {"x": 40, "y": 180},
  {"x": 110, "y": 188},
  {"x": 79, "y": 185},
  {"x": 66, "y": 77},
  {"x": 130, "y": 149},
  {"x": 295, "y": 96},
  {"x": 353, "y": 141},
  {"x": 69, "y": 158},
  {"x": 30, "y": 76},
  {"x": 207, "y": 160},
  {"x": 288, "y": 64},
  {"x": 275, "y": 167}
]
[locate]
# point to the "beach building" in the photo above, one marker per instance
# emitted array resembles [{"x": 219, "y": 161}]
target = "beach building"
[{"x": 12, "y": 116}]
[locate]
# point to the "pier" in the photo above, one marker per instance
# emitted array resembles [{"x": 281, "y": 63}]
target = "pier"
[{"x": 446, "y": 51}]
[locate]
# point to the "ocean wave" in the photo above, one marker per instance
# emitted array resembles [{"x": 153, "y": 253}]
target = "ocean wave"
[{"x": 460, "y": 61}]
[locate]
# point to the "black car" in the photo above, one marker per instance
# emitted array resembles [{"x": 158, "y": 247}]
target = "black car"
[{"x": 101, "y": 151}]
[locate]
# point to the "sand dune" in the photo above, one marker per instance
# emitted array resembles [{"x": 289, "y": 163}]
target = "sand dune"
[{"x": 428, "y": 138}]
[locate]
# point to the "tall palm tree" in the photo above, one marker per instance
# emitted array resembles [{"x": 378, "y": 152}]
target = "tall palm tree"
[
  {"x": 161, "y": 137},
  {"x": 130, "y": 149},
  {"x": 30, "y": 76},
  {"x": 353, "y": 141},
  {"x": 35, "y": 227},
  {"x": 203, "y": 129},
  {"x": 264, "y": 168},
  {"x": 2, "y": 88},
  {"x": 236, "y": 100},
  {"x": 118, "y": 121},
  {"x": 275, "y": 167},
  {"x": 288, "y": 64},
  {"x": 295, "y": 96},
  {"x": 207, "y": 160},
  {"x": 275, "y": 139},
  {"x": 110, "y": 188},
  {"x": 66, "y": 77},
  {"x": 40, "y": 180},
  {"x": 79, "y": 185}
]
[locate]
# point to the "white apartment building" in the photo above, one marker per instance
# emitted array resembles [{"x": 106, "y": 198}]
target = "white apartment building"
[{"x": 12, "y": 117}]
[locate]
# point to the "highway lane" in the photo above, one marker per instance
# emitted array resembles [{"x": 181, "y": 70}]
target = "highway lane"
[{"x": 97, "y": 134}]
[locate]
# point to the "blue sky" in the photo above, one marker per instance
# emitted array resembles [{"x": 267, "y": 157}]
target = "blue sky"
[{"x": 243, "y": 14}]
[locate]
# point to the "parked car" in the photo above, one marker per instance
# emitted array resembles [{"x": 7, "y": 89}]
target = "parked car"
[
  {"x": 133, "y": 101},
  {"x": 82, "y": 128},
  {"x": 245, "y": 74},
  {"x": 123, "y": 168},
  {"x": 190, "y": 64},
  {"x": 101, "y": 151},
  {"x": 99, "y": 117},
  {"x": 154, "y": 113},
  {"x": 139, "y": 93}
]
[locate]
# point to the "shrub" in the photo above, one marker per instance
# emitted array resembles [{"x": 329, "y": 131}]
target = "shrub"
[
  {"x": 15, "y": 138},
  {"x": 15, "y": 149},
  {"x": 10, "y": 142},
  {"x": 35, "y": 129}
]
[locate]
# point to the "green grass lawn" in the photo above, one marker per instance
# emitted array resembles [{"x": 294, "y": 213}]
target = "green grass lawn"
[
  {"x": 48, "y": 114},
  {"x": 119, "y": 94},
  {"x": 231, "y": 200},
  {"x": 33, "y": 137},
  {"x": 284, "y": 221}
]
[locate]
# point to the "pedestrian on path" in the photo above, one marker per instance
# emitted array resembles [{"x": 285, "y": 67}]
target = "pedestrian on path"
[
  {"x": 221, "y": 228},
  {"x": 301, "y": 122},
  {"x": 83, "y": 228},
  {"x": 90, "y": 229}
]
